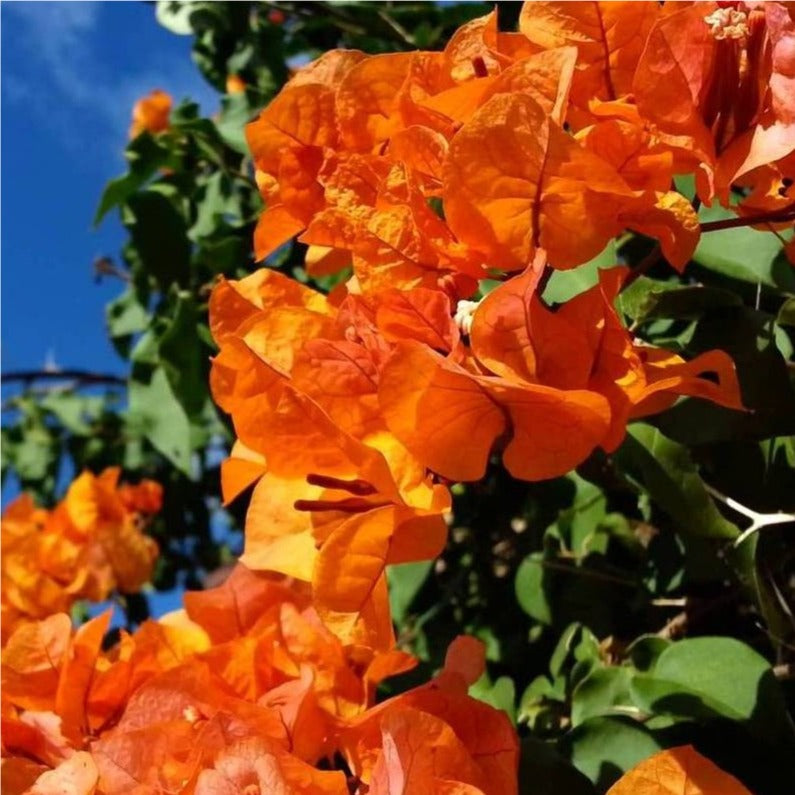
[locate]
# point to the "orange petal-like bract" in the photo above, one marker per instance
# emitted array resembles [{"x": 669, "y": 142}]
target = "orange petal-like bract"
[
  {"x": 86, "y": 547},
  {"x": 677, "y": 771},
  {"x": 151, "y": 113},
  {"x": 245, "y": 688}
]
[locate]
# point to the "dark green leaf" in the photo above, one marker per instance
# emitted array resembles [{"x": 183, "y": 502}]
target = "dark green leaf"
[
  {"x": 666, "y": 471},
  {"x": 542, "y": 771},
  {"x": 604, "y": 748},
  {"x": 743, "y": 253},
  {"x": 155, "y": 409},
  {"x": 564, "y": 285},
  {"x": 159, "y": 234}
]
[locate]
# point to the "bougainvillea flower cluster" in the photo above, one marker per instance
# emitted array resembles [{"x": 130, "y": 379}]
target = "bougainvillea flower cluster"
[
  {"x": 418, "y": 180},
  {"x": 89, "y": 545},
  {"x": 244, "y": 690},
  {"x": 507, "y": 156},
  {"x": 558, "y": 137}
]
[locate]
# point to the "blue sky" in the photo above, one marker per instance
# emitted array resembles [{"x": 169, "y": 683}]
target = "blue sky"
[{"x": 70, "y": 75}]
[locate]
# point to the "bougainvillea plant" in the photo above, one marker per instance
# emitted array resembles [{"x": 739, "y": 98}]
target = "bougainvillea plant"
[{"x": 496, "y": 310}]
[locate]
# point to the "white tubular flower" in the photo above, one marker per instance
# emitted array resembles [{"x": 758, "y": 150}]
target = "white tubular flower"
[
  {"x": 464, "y": 315},
  {"x": 727, "y": 23}
]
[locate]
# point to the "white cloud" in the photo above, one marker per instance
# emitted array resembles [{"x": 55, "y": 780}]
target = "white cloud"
[
  {"x": 61, "y": 73},
  {"x": 55, "y": 34}
]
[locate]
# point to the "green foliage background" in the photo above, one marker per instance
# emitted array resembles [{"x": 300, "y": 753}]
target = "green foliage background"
[{"x": 618, "y": 612}]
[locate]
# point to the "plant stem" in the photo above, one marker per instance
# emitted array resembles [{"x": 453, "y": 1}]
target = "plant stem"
[
  {"x": 775, "y": 216},
  {"x": 83, "y": 376}
]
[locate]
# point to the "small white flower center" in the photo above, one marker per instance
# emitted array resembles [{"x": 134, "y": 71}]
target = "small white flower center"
[
  {"x": 727, "y": 23},
  {"x": 464, "y": 315},
  {"x": 191, "y": 714}
]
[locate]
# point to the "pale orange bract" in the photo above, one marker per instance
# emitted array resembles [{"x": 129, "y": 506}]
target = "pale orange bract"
[
  {"x": 151, "y": 113},
  {"x": 235, "y": 84},
  {"x": 677, "y": 771}
]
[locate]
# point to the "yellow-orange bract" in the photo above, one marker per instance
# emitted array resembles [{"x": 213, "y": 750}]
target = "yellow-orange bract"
[
  {"x": 89, "y": 545},
  {"x": 677, "y": 771},
  {"x": 243, "y": 691},
  {"x": 151, "y": 113},
  {"x": 338, "y": 497}
]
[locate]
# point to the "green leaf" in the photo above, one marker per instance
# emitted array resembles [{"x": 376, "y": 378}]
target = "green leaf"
[
  {"x": 786, "y": 314},
  {"x": 748, "y": 336},
  {"x": 530, "y": 591},
  {"x": 743, "y": 253},
  {"x": 604, "y": 691},
  {"x": 182, "y": 356},
  {"x": 665, "y": 470},
  {"x": 217, "y": 205},
  {"x": 155, "y": 409},
  {"x": 34, "y": 454},
  {"x": 564, "y": 285},
  {"x": 160, "y": 237},
  {"x": 73, "y": 411},
  {"x": 633, "y": 301},
  {"x": 145, "y": 155},
  {"x": 653, "y": 300},
  {"x": 124, "y": 317},
  {"x": 225, "y": 252},
  {"x": 236, "y": 113},
  {"x": 500, "y": 694},
  {"x": 703, "y": 678},
  {"x": 405, "y": 582},
  {"x": 176, "y": 16},
  {"x": 535, "y": 694},
  {"x": 645, "y": 650},
  {"x": 604, "y": 748}
]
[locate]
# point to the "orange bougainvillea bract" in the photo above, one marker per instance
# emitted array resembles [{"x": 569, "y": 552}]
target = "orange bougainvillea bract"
[
  {"x": 89, "y": 545},
  {"x": 151, "y": 113},
  {"x": 677, "y": 770},
  {"x": 244, "y": 690}
]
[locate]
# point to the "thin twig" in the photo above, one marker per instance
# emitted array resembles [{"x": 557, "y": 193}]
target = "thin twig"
[
  {"x": 646, "y": 264},
  {"x": 655, "y": 255},
  {"x": 105, "y": 266},
  {"x": 775, "y": 216},
  {"x": 578, "y": 571},
  {"x": 85, "y": 377},
  {"x": 680, "y": 602},
  {"x": 398, "y": 29},
  {"x": 693, "y": 612},
  {"x": 675, "y": 626}
]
